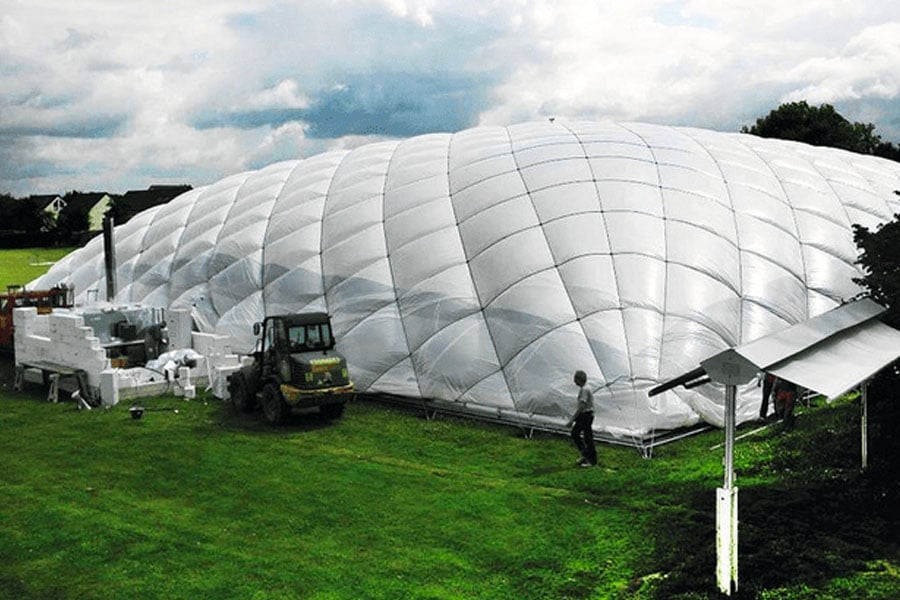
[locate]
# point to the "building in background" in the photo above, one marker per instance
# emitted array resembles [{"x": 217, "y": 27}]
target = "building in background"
[{"x": 132, "y": 202}]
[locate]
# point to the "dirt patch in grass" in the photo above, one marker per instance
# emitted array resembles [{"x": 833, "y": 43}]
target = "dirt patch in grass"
[{"x": 824, "y": 519}]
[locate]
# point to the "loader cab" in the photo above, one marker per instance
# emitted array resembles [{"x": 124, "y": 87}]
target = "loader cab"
[
  {"x": 279, "y": 337},
  {"x": 308, "y": 337},
  {"x": 295, "y": 365},
  {"x": 294, "y": 334}
]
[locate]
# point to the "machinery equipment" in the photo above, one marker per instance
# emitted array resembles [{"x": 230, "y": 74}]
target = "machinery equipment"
[
  {"x": 294, "y": 365},
  {"x": 17, "y": 296}
]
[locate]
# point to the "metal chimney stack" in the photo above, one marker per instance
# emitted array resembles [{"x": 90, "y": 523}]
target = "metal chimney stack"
[{"x": 109, "y": 256}]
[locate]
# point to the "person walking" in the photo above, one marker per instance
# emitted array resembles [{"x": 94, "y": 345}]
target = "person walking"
[
  {"x": 767, "y": 381},
  {"x": 582, "y": 422},
  {"x": 785, "y": 398}
]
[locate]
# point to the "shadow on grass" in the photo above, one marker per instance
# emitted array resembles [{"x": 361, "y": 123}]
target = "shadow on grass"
[
  {"x": 823, "y": 519},
  {"x": 298, "y": 421},
  {"x": 551, "y": 469}
]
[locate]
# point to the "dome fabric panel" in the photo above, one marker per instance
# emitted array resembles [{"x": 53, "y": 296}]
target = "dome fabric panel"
[{"x": 480, "y": 269}]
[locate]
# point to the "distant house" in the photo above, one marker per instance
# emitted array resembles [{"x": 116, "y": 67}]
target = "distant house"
[
  {"x": 28, "y": 218},
  {"x": 52, "y": 204},
  {"x": 92, "y": 204},
  {"x": 132, "y": 202},
  {"x": 34, "y": 213}
]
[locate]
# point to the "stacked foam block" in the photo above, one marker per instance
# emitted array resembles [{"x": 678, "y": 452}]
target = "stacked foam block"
[
  {"x": 221, "y": 362},
  {"x": 59, "y": 338}
]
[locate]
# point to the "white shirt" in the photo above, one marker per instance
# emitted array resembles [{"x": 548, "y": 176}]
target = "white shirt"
[{"x": 585, "y": 401}]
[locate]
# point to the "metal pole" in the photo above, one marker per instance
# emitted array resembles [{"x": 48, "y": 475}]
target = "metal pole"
[
  {"x": 729, "y": 436},
  {"x": 864, "y": 425},
  {"x": 109, "y": 256},
  {"x": 727, "y": 508}
]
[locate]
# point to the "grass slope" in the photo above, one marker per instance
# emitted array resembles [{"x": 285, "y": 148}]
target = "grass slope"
[
  {"x": 384, "y": 504},
  {"x": 19, "y": 266}
]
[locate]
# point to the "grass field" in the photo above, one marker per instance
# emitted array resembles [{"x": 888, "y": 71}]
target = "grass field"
[
  {"x": 19, "y": 266},
  {"x": 386, "y": 504},
  {"x": 201, "y": 503}
]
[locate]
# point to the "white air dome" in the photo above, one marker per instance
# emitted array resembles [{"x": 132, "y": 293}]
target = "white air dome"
[{"x": 481, "y": 269}]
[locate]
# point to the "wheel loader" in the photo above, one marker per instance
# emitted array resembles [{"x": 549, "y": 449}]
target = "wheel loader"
[{"x": 294, "y": 365}]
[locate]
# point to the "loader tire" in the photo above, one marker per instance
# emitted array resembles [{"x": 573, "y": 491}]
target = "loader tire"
[
  {"x": 274, "y": 407},
  {"x": 240, "y": 396}
]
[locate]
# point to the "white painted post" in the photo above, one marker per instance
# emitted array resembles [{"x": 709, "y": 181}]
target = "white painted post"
[
  {"x": 727, "y": 507},
  {"x": 864, "y": 425},
  {"x": 726, "y": 540}
]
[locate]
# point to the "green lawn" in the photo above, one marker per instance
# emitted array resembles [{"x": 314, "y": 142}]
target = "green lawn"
[
  {"x": 385, "y": 504},
  {"x": 19, "y": 266}
]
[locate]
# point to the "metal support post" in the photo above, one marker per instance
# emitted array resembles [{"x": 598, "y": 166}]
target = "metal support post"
[
  {"x": 864, "y": 425},
  {"x": 727, "y": 507},
  {"x": 19, "y": 382},
  {"x": 53, "y": 393},
  {"x": 109, "y": 257},
  {"x": 730, "y": 392}
]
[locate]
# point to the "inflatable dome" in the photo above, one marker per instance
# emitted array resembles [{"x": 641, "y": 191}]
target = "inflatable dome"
[{"x": 478, "y": 270}]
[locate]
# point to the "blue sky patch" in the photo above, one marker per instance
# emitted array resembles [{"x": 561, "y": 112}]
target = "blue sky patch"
[
  {"x": 385, "y": 104},
  {"x": 92, "y": 127}
]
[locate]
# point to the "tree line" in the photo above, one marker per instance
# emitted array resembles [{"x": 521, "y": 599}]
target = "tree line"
[
  {"x": 23, "y": 219},
  {"x": 72, "y": 219},
  {"x": 822, "y": 126}
]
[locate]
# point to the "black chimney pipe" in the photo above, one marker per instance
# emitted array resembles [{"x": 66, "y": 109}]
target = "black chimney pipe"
[{"x": 109, "y": 256}]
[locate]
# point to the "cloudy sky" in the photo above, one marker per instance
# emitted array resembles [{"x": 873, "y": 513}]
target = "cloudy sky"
[{"x": 111, "y": 95}]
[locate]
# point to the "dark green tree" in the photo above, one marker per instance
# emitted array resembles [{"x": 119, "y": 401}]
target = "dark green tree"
[
  {"x": 6, "y": 210},
  {"x": 72, "y": 218},
  {"x": 879, "y": 256},
  {"x": 116, "y": 210},
  {"x": 22, "y": 214},
  {"x": 816, "y": 125},
  {"x": 888, "y": 150}
]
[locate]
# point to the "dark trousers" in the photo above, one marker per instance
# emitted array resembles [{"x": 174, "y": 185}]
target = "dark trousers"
[
  {"x": 784, "y": 408},
  {"x": 766, "y": 392},
  {"x": 583, "y": 436}
]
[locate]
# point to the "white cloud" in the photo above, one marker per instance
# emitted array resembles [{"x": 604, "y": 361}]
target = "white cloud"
[
  {"x": 107, "y": 95},
  {"x": 615, "y": 61},
  {"x": 866, "y": 67},
  {"x": 285, "y": 94},
  {"x": 420, "y": 12},
  {"x": 702, "y": 62}
]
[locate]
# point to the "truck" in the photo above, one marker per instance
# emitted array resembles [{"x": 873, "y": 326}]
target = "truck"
[
  {"x": 17, "y": 296},
  {"x": 293, "y": 365}
]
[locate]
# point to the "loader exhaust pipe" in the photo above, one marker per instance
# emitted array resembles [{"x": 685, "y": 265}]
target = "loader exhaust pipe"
[{"x": 109, "y": 256}]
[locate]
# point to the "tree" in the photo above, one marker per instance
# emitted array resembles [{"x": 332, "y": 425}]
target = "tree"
[
  {"x": 821, "y": 126},
  {"x": 863, "y": 138},
  {"x": 23, "y": 214},
  {"x": 879, "y": 256},
  {"x": 6, "y": 210},
  {"x": 73, "y": 218},
  {"x": 888, "y": 150}
]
